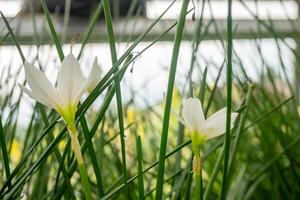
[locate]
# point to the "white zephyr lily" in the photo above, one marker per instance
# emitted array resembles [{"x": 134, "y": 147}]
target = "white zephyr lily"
[
  {"x": 203, "y": 129},
  {"x": 71, "y": 84}
]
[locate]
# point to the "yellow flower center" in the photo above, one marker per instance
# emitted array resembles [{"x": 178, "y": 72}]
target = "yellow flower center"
[
  {"x": 68, "y": 113},
  {"x": 197, "y": 139}
]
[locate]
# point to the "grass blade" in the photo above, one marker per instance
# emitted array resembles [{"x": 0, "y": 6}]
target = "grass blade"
[
  {"x": 165, "y": 128},
  {"x": 140, "y": 166},
  {"x": 13, "y": 36},
  {"x": 52, "y": 31},
  {"x": 4, "y": 152},
  {"x": 229, "y": 99},
  {"x": 113, "y": 52}
]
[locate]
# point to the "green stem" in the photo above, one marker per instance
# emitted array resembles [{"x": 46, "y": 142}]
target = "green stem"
[
  {"x": 229, "y": 98},
  {"x": 197, "y": 173},
  {"x": 82, "y": 170}
]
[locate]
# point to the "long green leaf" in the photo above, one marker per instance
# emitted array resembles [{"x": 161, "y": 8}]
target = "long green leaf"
[{"x": 165, "y": 128}]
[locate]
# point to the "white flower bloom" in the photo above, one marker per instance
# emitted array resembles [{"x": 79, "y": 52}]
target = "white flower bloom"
[
  {"x": 70, "y": 87},
  {"x": 204, "y": 129}
]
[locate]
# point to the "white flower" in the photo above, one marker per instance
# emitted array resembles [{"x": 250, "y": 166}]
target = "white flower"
[
  {"x": 71, "y": 84},
  {"x": 203, "y": 129}
]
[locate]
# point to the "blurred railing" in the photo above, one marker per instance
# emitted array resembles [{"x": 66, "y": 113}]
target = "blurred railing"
[{"x": 250, "y": 20}]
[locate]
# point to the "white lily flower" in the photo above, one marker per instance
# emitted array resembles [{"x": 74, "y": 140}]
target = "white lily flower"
[
  {"x": 70, "y": 87},
  {"x": 203, "y": 129},
  {"x": 71, "y": 84}
]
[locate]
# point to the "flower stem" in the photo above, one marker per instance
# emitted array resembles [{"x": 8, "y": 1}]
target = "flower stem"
[
  {"x": 82, "y": 170},
  {"x": 197, "y": 173}
]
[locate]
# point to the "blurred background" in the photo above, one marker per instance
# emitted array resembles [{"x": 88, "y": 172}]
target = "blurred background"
[
  {"x": 132, "y": 17},
  {"x": 266, "y": 53}
]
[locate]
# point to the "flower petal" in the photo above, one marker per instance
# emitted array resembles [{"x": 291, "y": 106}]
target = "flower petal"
[
  {"x": 215, "y": 125},
  {"x": 39, "y": 84},
  {"x": 71, "y": 83},
  {"x": 94, "y": 76},
  {"x": 42, "y": 99},
  {"x": 192, "y": 114}
]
